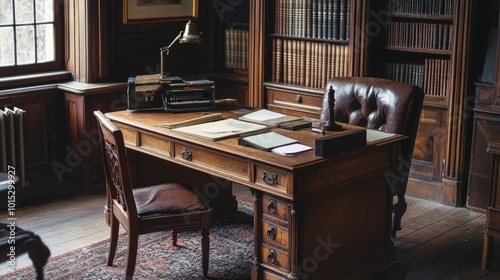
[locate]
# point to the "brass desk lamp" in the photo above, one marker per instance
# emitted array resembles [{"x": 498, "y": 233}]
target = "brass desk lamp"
[{"x": 189, "y": 35}]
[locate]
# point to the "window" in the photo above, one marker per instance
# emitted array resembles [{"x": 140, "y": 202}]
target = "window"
[{"x": 30, "y": 36}]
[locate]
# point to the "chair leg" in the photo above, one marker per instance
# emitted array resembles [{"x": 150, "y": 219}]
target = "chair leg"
[
  {"x": 205, "y": 249},
  {"x": 174, "y": 237},
  {"x": 39, "y": 253},
  {"x": 399, "y": 210},
  {"x": 113, "y": 240},
  {"x": 133, "y": 240},
  {"x": 488, "y": 245}
]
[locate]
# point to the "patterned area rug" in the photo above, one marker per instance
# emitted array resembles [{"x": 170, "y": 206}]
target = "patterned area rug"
[{"x": 231, "y": 247}]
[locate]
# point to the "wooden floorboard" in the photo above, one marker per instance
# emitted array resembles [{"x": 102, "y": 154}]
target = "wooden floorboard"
[{"x": 436, "y": 242}]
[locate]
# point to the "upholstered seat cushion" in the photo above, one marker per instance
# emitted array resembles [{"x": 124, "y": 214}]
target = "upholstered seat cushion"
[{"x": 166, "y": 199}]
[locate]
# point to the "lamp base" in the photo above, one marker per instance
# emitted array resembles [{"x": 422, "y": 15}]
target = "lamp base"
[
  {"x": 332, "y": 126},
  {"x": 163, "y": 78}
]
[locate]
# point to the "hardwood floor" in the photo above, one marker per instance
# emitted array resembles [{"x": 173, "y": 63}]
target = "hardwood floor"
[{"x": 436, "y": 242}]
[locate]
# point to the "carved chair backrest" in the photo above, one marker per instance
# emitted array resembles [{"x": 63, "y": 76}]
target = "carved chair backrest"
[{"x": 116, "y": 166}]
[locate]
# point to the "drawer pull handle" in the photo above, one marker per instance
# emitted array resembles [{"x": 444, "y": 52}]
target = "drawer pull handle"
[
  {"x": 271, "y": 257},
  {"x": 272, "y": 232},
  {"x": 187, "y": 154},
  {"x": 271, "y": 208},
  {"x": 269, "y": 178},
  {"x": 298, "y": 98}
]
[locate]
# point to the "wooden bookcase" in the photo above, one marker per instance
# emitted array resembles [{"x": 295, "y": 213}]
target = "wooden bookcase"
[
  {"x": 430, "y": 44},
  {"x": 293, "y": 52},
  {"x": 306, "y": 42},
  {"x": 230, "y": 62}
]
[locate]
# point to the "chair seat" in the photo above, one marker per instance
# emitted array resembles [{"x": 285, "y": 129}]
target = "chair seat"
[{"x": 166, "y": 199}]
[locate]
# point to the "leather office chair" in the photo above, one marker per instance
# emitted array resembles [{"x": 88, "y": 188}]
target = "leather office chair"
[
  {"x": 171, "y": 206},
  {"x": 385, "y": 105}
]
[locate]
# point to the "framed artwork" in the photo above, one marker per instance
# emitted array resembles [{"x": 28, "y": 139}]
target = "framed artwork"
[{"x": 158, "y": 10}]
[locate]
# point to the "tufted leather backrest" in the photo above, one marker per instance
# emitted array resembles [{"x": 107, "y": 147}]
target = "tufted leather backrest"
[{"x": 376, "y": 103}]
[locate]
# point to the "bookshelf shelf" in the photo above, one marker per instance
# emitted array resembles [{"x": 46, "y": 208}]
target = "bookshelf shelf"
[
  {"x": 309, "y": 39},
  {"x": 418, "y": 50},
  {"x": 422, "y": 17}
]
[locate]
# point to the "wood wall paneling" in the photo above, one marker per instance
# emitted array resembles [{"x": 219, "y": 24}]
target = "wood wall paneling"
[
  {"x": 44, "y": 137},
  {"x": 82, "y": 127}
]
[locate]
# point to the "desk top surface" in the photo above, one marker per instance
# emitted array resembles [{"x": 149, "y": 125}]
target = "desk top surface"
[{"x": 148, "y": 121}]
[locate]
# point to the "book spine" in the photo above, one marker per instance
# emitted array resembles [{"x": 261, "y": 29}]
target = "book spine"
[
  {"x": 335, "y": 18},
  {"x": 342, "y": 19}
]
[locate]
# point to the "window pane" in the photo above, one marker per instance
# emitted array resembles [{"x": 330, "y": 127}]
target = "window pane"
[
  {"x": 6, "y": 12},
  {"x": 25, "y": 44},
  {"x": 24, "y": 11},
  {"x": 45, "y": 42},
  {"x": 6, "y": 46},
  {"x": 44, "y": 11}
]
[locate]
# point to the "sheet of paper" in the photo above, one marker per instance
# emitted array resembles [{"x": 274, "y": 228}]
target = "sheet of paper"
[
  {"x": 220, "y": 129},
  {"x": 263, "y": 115},
  {"x": 375, "y": 135},
  {"x": 290, "y": 150}
]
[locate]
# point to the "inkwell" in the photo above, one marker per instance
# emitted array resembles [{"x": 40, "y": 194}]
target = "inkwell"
[{"x": 330, "y": 125}]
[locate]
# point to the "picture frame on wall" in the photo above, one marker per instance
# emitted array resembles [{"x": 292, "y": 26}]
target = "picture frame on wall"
[{"x": 137, "y": 11}]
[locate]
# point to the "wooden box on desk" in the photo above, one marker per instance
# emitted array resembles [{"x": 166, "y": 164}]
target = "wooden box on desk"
[{"x": 340, "y": 141}]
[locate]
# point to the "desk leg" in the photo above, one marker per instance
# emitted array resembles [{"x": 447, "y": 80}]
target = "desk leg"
[
  {"x": 489, "y": 243},
  {"x": 257, "y": 228}
]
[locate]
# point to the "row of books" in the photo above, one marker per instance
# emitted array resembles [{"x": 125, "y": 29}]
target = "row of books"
[
  {"x": 432, "y": 76},
  {"x": 323, "y": 19},
  {"x": 308, "y": 63},
  {"x": 429, "y": 7},
  {"x": 437, "y": 77},
  {"x": 420, "y": 35},
  {"x": 236, "y": 52}
]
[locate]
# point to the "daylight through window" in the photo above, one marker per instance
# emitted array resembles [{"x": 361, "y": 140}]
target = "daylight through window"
[{"x": 27, "y": 29}]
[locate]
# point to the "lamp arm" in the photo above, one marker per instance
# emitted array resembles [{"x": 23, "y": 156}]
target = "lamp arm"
[{"x": 175, "y": 40}]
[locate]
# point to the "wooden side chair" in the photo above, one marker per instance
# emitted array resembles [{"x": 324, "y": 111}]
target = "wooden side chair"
[
  {"x": 385, "y": 105},
  {"x": 170, "y": 206},
  {"x": 26, "y": 242}
]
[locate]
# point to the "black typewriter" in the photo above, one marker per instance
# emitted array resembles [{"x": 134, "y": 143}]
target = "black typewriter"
[{"x": 174, "y": 95}]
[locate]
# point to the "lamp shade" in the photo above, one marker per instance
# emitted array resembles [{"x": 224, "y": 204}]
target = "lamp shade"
[{"x": 190, "y": 34}]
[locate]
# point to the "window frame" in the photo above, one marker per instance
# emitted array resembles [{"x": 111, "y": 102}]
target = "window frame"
[{"x": 58, "y": 63}]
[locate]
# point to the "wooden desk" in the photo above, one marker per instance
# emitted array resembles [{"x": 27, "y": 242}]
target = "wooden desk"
[{"x": 314, "y": 217}]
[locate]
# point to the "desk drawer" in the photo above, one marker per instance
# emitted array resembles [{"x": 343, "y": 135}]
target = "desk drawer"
[
  {"x": 213, "y": 161},
  {"x": 272, "y": 178},
  {"x": 275, "y": 234},
  {"x": 144, "y": 141},
  {"x": 275, "y": 257},
  {"x": 294, "y": 103},
  {"x": 274, "y": 208}
]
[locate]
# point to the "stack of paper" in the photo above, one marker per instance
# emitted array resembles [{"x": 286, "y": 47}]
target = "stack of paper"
[{"x": 290, "y": 150}]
